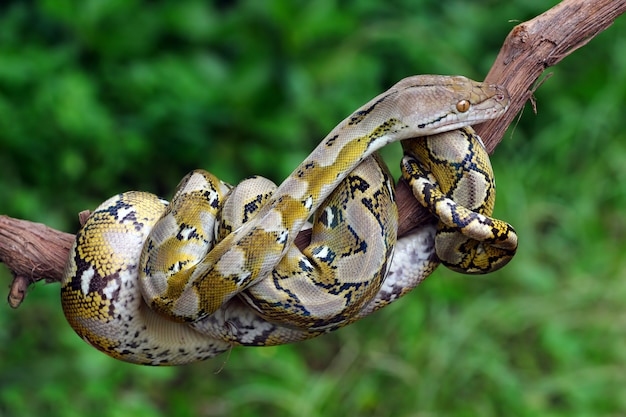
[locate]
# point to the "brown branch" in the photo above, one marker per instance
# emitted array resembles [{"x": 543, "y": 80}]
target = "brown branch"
[
  {"x": 33, "y": 252},
  {"x": 36, "y": 252},
  {"x": 537, "y": 44}
]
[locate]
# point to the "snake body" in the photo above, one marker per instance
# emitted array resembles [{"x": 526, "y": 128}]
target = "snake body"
[
  {"x": 152, "y": 282},
  {"x": 467, "y": 239}
]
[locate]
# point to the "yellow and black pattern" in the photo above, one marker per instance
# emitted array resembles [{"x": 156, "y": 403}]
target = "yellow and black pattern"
[
  {"x": 163, "y": 284},
  {"x": 319, "y": 288},
  {"x": 451, "y": 175}
]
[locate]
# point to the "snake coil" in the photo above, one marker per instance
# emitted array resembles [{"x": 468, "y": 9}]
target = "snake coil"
[{"x": 161, "y": 283}]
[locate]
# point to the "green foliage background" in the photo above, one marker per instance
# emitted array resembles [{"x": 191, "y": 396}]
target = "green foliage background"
[{"x": 98, "y": 97}]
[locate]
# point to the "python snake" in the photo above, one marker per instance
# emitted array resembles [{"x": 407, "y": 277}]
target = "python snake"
[{"x": 160, "y": 283}]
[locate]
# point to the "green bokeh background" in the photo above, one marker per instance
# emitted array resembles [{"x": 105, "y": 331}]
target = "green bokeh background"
[{"x": 99, "y": 97}]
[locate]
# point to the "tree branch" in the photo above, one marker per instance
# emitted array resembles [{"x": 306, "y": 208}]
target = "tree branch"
[{"x": 34, "y": 252}]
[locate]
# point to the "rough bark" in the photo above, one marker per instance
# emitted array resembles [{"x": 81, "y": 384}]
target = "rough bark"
[{"x": 34, "y": 252}]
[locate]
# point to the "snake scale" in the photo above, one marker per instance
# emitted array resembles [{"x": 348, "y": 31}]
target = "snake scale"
[{"x": 160, "y": 283}]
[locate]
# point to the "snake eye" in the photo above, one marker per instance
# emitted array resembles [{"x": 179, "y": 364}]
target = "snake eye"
[{"x": 463, "y": 106}]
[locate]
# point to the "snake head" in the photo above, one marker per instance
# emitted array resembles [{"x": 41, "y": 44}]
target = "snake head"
[{"x": 432, "y": 104}]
